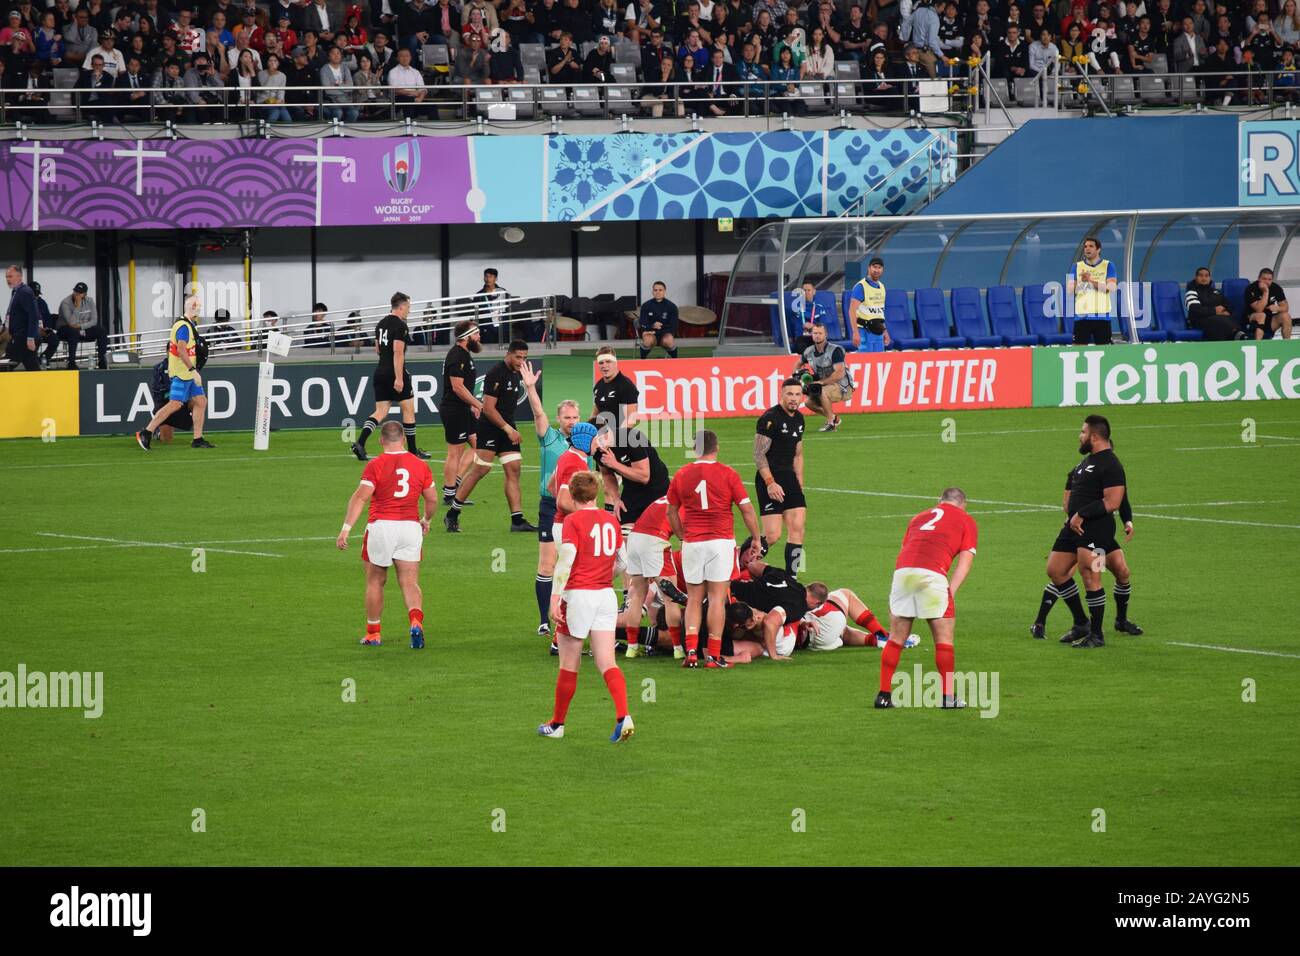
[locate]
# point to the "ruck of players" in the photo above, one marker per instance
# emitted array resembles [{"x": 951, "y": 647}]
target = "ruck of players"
[{"x": 636, "y": 558}]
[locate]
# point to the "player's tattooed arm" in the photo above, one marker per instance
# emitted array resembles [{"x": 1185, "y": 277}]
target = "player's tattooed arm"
[{"x": 762, "y": 445}]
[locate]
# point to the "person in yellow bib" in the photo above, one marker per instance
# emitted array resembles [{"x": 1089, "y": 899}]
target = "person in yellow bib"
[
  {"x": 867, "y": 310},
  {"x": 1091, "y": 282},
  {"x": 187, "y": 382}
]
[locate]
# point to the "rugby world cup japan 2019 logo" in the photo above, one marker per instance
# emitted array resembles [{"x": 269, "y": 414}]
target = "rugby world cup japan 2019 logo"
[{"x": 402, "y": 167}]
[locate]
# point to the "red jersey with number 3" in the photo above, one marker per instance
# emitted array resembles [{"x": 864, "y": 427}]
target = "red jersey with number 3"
[
  {"x": 597, "y": 537},
  {"x": 654, "y": 520},
  {"x": 704, "y": 493},
  {"x": 398, "y": 479},
  {"x": 935, "y": 537}
]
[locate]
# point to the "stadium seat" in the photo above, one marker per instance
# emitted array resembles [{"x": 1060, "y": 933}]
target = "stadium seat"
[
  {"x": 1045, "y": 327},
  {"x": 932, "y": 320},
  {"x": 847, "y": 73},
  {"x": 1025, "y": 91},
  {"x": 1167, "y": 302},
  {"x": 1125, "y": 89},
  {"x": 968, "y": 319},
  {"x": 1151, "y": 88},
  {"x": 553, "y": 100},
  {"x": 1234, "y": 290},
  {"x": 586, "y": 100},
  {"x": 902, "y": 330},
  {"x": 1004, "y": 316},
  {"x": 522, "y": 98}
]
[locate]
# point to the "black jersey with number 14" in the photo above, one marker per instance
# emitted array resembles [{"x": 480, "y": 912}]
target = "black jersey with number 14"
[
  {"x": 390, "y": 329},
  {"x": 1096, "y": 473}
]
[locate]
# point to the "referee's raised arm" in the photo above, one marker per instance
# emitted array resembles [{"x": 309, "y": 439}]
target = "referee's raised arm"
[{"x": 541, "y": 424}]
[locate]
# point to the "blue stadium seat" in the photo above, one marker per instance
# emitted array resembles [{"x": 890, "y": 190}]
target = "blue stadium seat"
[
  {"x": 1167, "y": 301},
  {"x": 1004, "y": 316},
  {"x": 1045, "y": 327},
  {"x": 902, "y": 330},
  {"x": 836, "y": 330},
  {"x": 1122, "y": 323},
  {"x": 932, "y": 320},
  {"x": 968, "y": 319},
  {"x": 825, "y": 299},
  {"x": 1234, "y": 290},
  {"x": 845, "y": 317}
]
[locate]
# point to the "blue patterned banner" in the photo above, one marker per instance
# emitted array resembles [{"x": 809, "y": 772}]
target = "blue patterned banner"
[{"x": 712, "y": 175}]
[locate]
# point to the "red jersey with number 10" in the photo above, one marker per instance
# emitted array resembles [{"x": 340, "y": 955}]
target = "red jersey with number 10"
[
  {"x": 597, "y": 537},
  {"x": 935, "y": 537},
  {"x": 398, "y": 479},
  {"x": 704, "y": 492}
]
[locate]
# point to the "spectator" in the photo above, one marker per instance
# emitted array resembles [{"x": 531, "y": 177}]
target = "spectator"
[
  {"x": 692, "y": 55},
  {"x": 408, "y": 85},
  {"x": 657, "y": 322},
  {"x": 23, "y": 321},
  {"x": 1044, "y": 57},
  {"x": 487, "y": 11},
  {"x": 516, "y": 21},
  {"x": 823, "y": 15},
  {"x": 1073, "y": 49},
  {"x": 203, "y": 90},
  {"x": 337, "y": 79},
  {"x": 418, "y": 24},
  {"x": 382, "y": 56},
  {"x": 910, "y": 73},
  {"x": 298, "y": 78},
  {"x": 189, "y": 38},
  {"x": 1263, "y": 42},
  {"x": 316, "y": 17},
  {"x": 49, "y": 42},
  {"x": 474, "y": 22},
  {"x": 285, "y": 35},
  {"x": 764, "y": 34},
  {"x": 319, "y": 331},
  {"x": 243, "y": 78},
  {"x": 804, "y": 310},
  {"x": 820, "y": 61},
  {"x": 1103, "y": 48},
  {"x": 504, "y": 65},
  {"x": 254, "y": 35},
  {"x": 951, "y": 39},
  {"x": 242, "y": 43},
  {"x": 1165, "y": 26},
  {"x": 17, "y": 63},
  {"x": 315, "y": 54},
  {"x": 132, "y": 94},
  {"x": 575, "y": 21},
  {"x": 35, "y": 97},
  {"x": 606, "y": 19},
  {"x": 217, "y": 24},
  {"x": 1207, "y": 309},
  {"x": 880, "y": 91},
  {"x": 925, "y": 36},
  {"x": 785, "y": 79},
  {"x": 721, "y": 89},
  {"x": 494, "y": 300},
  {"x": 1288, "y": 25},
  {"x": 546, "y": 21},
  {"x": 79, "y": 322},
  {"x": 1266, "y": 307},
  {"x": 170, "y": 101},
  {"x": 472, "y": 61},
  {"x": 79, "y": 37},
  {"x": 640, "y": 20},
  {"x": 1011, "y": 57},
  {"x": 1220, "y": 73},
  {"x": 97, "y": 84},
  {"x": 367, "y": 81},
  {"x": 49, "y": 336},
  {"x": 1188, "y": 50},
  {"x": 1141, "y": 48},
  {"x": 271, "y": 92},
  {"x": 659, "y": 68},
  {"x": 353, "y": 32},
  {"x": 562, "y": 64},
  {"x": 753, "y": 73},
  {"x": 216, "y": 52},
  {"x": 599, "y": 64}
]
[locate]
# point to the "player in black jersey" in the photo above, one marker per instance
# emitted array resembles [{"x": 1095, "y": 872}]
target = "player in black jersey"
[
  {"x": 458, "y": 407},
  {"x": 1116, "y": 564},
  {"x": 391, "y": 381},
  {"x": 614, "y": 396},
  {"x": 778, "y": 453},
  {"x": 781, "y": 601},
  {"x": 1097, "y": 488},
  {"x": 633, "y": 473},
  {"x": 497, "y": 438}
]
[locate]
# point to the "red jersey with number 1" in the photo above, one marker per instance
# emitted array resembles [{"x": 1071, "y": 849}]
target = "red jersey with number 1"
[
  {"x": 704, "y": 493},
  {"x": 398, "y": 479},
  {"x": 597, "y": 537},
  {"x": 935, "y": 537}
]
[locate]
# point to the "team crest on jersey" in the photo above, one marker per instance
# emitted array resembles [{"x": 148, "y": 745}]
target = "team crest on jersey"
[{"x": 402, "y": 167}]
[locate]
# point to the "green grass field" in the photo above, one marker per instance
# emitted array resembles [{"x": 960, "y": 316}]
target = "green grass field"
[{"x": 223, "y": 689}]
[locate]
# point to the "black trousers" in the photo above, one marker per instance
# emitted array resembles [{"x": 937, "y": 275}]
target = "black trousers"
[
  {"x": 73, "y": 336},
  {"x": 1092, "y": 331},
  {"x": 18, "y": 351}
]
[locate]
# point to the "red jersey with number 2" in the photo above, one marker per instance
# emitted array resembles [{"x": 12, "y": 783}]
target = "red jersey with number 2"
[
  {"x": 935, "y": 537},
  {"x": 398, "y": 480},
  {"x": 597, "y": 537},
  {"x": 704, "y": 493}
]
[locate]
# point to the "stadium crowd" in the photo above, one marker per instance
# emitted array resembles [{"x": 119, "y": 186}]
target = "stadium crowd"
[{"x": 182, "y": 59}]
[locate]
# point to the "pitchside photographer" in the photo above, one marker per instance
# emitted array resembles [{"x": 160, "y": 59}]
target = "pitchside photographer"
[{"x": 825, "y": 377}]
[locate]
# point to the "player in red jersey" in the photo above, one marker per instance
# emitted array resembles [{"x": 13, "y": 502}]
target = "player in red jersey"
[
  {"x": 583, "y": 605},
  {"x": 572, "y": 462},
  {"x": 645, "y": 549},
  {"x": 700, "y": 499},
  {"x": 393, "y": 485},
  {"x": 934, "y": 539}
]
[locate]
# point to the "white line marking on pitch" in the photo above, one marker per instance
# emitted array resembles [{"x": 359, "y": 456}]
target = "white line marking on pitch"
[
  {"x": 1231, "y": 447},
  {"x": 122, "y": 542},
  {"x": 1234, "y": 650}
]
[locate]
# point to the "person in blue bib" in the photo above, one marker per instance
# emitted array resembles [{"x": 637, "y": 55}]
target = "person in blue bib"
[
  {"x": 867, "y": 310},
  {"x": 1092, "y": 282}
]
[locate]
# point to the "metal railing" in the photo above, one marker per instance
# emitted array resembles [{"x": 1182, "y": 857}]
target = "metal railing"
[
  {"x": 339, "y": 329},
  {"x": 223, "y": 104}
]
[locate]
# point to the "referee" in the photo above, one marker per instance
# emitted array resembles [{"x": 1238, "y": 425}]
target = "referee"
[
  {"x": 458, "y": 407},
  {"x": 1091, "y": 282},
  {"x": 391, "y": 383},
  {"x": 1096, "y": 493},
  {"x": 778, "y": 453}
]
